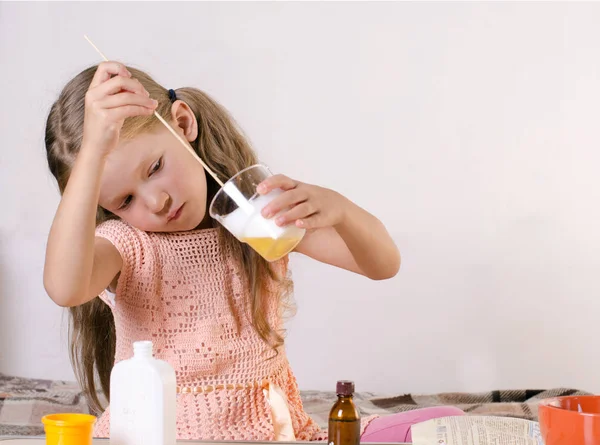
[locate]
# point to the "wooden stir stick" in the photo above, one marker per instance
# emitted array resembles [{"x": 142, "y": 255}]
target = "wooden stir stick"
[{"x": 166, "y": 124}]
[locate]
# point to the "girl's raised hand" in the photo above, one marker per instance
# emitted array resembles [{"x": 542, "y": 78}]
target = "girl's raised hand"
[{"x": 112, "y": 97}]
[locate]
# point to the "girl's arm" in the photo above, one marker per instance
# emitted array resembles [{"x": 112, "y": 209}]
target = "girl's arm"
[
  {"x": 340, "y": 233},
  {"x": 78, "y": 265}
]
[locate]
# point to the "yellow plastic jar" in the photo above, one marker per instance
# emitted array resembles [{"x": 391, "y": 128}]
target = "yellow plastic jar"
[{"x": 69, "y": 429}]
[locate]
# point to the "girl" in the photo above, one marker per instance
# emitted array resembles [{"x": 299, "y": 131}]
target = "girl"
[{"x": 133, "y": 228}]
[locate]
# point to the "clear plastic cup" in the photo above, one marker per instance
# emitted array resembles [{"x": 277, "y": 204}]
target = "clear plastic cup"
[
  {"x": 237, "y": 206},
  {"x": 69, "y": 429}
]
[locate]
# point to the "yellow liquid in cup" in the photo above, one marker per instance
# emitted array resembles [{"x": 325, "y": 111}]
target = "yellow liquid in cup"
[
  {"x": 262, "y": 235},
  {"x": 272, "y": 249}
]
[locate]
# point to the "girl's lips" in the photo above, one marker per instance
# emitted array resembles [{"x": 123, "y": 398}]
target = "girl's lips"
[{"x": 174, "y": 215}]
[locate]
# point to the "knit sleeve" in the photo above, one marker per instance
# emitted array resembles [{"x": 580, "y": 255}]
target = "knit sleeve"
[{"x": 126, "y": 240}]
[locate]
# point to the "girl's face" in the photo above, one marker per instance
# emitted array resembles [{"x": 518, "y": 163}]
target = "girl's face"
[{"x": 153, "y": 183}]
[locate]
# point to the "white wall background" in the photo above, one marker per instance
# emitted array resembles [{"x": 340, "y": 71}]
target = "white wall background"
[{"x": 470, "y": 129}]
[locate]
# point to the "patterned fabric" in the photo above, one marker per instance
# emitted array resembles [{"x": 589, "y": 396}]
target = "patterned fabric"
[
  {"x": 182, "y": 292},
  {"x": 23, "y": 402},
  {"x": 521, "y": 404}
]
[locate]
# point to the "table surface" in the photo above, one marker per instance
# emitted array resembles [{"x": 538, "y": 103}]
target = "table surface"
[{"x": 40, "y": 440}]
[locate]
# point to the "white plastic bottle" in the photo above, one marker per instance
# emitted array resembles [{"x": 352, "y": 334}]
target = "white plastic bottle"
[{"x": 142, "y": 400}]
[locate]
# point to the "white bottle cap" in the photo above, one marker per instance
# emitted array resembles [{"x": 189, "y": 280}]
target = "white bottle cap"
[{"x": 142, "y": 349}]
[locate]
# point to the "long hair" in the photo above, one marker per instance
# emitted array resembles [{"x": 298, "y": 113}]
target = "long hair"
[{"x": 223, "y": 147}]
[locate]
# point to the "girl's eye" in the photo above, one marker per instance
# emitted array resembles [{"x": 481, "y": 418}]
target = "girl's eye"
[
  {"x": 157, "y": 165},
  {"x": 126, "y": 202}
]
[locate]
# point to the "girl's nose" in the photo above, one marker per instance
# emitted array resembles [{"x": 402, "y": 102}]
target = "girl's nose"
[{"x": 157, "y": 202}]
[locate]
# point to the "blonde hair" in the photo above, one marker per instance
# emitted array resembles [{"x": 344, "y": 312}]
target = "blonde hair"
[{"x": 223, "y": 147}]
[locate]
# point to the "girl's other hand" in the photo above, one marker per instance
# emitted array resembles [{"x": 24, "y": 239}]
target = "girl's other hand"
[{"x": 305, "y": 205}]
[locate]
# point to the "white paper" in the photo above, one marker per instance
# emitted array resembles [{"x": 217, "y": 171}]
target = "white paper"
[{"x": 476, "y": 430}]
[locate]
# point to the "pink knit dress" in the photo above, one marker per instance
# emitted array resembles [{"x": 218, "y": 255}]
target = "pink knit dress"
[{"x": 178, "y": 290}]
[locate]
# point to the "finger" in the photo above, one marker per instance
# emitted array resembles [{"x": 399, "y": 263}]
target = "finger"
[
  {"x": 118, "y": 84},
  {"x": 125, "y": 98},
  {"x": 121, "y": 113},
  {"x": 107, "y": 69},
  {"x": 274, "y": 182},
  {"x": 299, "y": 212},
  {"x": 283, "y": 201},
  {"x": 313, "y": 221}
]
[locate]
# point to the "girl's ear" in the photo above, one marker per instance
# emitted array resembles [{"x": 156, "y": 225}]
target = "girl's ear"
[{"x": 185, "y": 119}]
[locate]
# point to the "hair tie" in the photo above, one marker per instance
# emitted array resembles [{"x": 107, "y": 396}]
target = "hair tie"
[{"x": 172, "y": 96}]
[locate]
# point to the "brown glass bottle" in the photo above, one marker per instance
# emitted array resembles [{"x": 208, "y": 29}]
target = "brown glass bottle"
[{"x": 344, "y": 419}]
